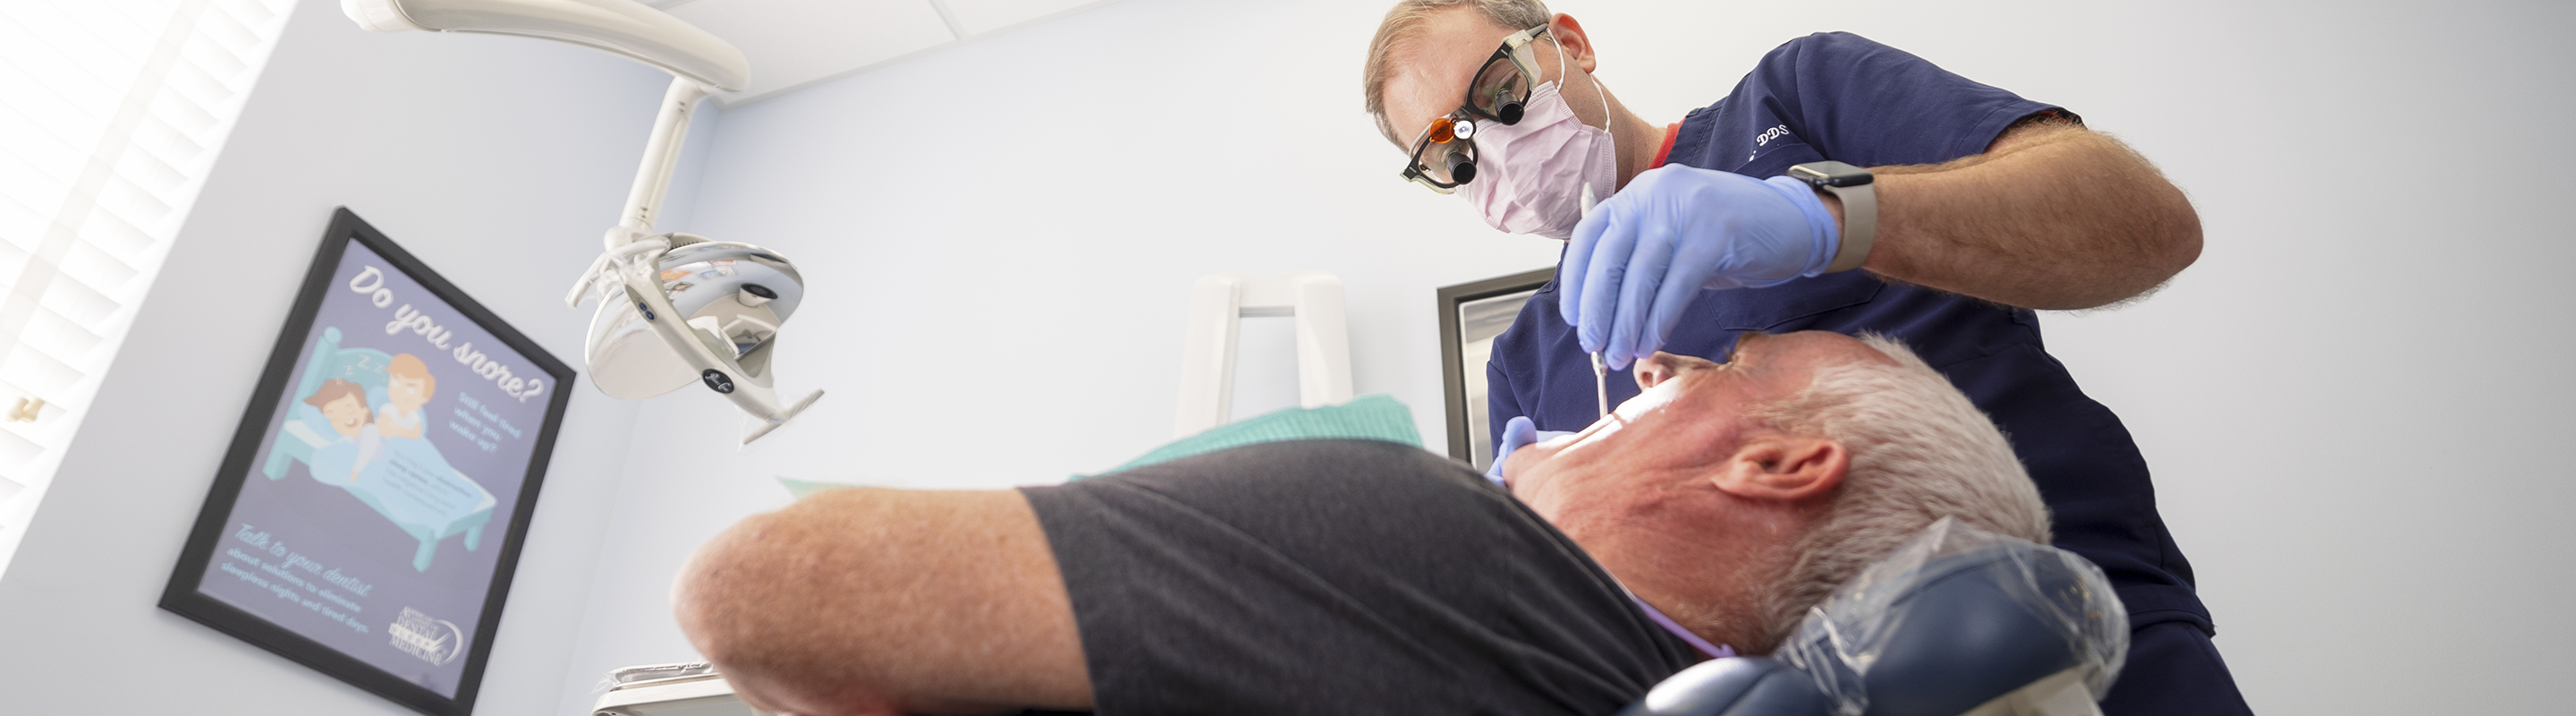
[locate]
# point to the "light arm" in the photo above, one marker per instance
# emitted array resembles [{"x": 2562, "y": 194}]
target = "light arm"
[
  {"x": 624, "y": 27},
  {"x": 887, "y": 601},
  {"x": 661, "y": 159},
  {"x": 700, "y": 63},
  {"x": 2052, "y": 216}
]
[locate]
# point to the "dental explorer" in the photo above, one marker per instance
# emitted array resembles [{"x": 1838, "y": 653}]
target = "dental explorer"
[{"x": 1600, "y": 370}]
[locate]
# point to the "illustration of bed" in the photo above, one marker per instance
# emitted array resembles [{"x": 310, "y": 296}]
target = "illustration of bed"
[{"x": 405, "y": 479}]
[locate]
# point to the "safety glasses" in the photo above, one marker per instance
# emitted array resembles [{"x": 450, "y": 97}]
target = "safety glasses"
[{"x": 1444, "y": 155}]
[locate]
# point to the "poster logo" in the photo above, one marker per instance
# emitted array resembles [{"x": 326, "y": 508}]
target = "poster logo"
[{"x": 436, "y": 641}]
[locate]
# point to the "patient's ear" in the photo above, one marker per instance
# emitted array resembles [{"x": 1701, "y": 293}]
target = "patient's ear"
[{"x": 1785, "y": 468}]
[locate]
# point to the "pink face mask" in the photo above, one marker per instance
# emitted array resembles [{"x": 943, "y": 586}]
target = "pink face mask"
[{"x": 1530, "y": 176}]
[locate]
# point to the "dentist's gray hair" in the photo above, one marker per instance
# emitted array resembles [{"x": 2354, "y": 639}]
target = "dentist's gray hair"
[
  {"x": 1404, "y": 23},
  {"x": 1919, "y": 451}
]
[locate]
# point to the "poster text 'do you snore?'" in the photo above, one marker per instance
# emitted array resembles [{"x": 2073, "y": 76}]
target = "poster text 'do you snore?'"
[{"x": 371, "y": 281}]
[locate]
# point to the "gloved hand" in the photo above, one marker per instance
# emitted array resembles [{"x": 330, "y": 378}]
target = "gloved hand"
[
  {"x": 1519, "y": 433},
  {"x": 1641, "y": 257}
]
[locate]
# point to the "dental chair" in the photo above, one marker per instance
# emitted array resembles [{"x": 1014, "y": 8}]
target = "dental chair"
[{"x": 1958, "y": 622}]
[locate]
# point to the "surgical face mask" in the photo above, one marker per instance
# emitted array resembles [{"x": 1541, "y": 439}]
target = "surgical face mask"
[{"x": 1530, "y": 176}]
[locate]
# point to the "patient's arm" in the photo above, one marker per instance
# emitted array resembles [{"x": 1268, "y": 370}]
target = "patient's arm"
[{"x": 866, "y": 601}]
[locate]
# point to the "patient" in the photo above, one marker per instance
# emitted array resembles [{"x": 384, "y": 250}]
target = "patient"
[
  {"x": 1343, "y": 576},
  {"x": 345, "y": 404}
]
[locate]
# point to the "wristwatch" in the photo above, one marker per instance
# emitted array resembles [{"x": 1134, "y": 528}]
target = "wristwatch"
[{"x": 1860, "y": 207}]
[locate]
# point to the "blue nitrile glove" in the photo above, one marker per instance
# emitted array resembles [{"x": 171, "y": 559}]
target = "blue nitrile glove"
[
  {"x": 1641, "y": 257},
  {"x": 1519, "y": 433}
]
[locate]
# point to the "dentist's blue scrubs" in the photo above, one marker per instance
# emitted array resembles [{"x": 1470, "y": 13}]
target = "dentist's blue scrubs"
[{"x": 1842, "y": 97}]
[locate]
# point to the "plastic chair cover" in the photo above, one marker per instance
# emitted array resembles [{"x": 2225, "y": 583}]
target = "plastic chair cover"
[{"x": 1845, "y": 636}]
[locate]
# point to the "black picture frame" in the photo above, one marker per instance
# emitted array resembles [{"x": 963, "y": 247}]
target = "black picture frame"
[
  {"x": 1456, "y": 365},
  {"x": 262, "y": 430}
]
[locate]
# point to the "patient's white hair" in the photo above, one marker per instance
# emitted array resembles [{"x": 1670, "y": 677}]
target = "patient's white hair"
[{"x": 1919, "y": 451}]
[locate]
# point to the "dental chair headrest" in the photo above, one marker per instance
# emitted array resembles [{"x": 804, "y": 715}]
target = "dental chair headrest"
[{"x": 1954, "y": 620}]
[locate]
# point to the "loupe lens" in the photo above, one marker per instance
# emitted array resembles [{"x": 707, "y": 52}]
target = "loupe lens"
[
  {"x": 1461, "y": 169},
  {"x": 1499, "y": 91}
]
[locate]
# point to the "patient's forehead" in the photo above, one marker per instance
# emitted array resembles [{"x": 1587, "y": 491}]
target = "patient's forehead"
[
  {"x": 1810, "y": 349},
  {"x": 1765, "y": 367}
]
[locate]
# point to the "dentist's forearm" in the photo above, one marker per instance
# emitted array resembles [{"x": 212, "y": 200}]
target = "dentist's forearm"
[{"x": 2052, "y": 216}]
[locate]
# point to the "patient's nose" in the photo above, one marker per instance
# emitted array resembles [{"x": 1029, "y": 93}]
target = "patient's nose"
[{"x": 1657, "y": 368}]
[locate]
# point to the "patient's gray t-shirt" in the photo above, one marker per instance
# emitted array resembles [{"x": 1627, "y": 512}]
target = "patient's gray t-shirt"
[{"x": 1338, "y": 577}]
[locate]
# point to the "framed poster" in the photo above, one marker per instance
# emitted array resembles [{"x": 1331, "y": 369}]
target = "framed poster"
[
  {"x": 1471, "y": 315},
  {"x": 368, "y": 517}
]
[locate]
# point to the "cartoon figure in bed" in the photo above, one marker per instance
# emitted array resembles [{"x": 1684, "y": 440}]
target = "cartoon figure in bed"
[
  {"x": 408, "y": 385},
  {"x": 344, "y": 404},
  {"x": 379, "y": 455}
]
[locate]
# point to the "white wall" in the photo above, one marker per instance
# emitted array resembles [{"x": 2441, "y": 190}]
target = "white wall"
[
  {"x": 2351, "y": 402},
  {"x": 2346, "y": 401},
  {"x": 497, "y": 161}
]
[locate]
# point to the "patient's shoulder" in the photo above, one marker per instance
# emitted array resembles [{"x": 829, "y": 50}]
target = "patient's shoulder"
[
  {"x": 1293, "y": 470},
  {"x": 1319, "y": 497}
]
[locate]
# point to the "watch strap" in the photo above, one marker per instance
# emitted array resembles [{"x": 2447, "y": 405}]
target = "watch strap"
[{"x": 1860, "y": 225}]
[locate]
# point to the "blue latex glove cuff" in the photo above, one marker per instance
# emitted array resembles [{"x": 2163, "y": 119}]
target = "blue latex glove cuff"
[
  {"x": 1820, "y": 225},
  {"x": 1518, "y": 433}
]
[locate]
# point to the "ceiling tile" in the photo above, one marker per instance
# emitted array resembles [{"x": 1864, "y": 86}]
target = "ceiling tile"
[
  {"x": 791, "y": 42},
  {"x": 982, "y": 16}
]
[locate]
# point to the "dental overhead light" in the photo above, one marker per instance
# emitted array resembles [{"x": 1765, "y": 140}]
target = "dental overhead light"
[{"x": 674, "y": 308}]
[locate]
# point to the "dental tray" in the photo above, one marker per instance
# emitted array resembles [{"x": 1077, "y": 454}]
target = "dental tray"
[{"x": 670, "y": 690}]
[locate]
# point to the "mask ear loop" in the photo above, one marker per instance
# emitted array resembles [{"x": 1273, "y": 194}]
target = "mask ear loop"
[
  {"x": 1596, "y": 82},
  {"x": 1596, "y": 92}
]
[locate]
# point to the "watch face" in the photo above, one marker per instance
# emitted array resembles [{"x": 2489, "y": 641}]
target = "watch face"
[{"x": 1830, "y": 173}]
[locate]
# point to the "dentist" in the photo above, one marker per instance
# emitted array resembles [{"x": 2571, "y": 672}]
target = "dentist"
[{"x": 1843, "y": 185}]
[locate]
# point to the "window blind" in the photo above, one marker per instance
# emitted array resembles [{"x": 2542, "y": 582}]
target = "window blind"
[{"x": 111, "y": 112}]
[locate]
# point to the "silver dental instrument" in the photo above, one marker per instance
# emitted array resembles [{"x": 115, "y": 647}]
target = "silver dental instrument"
[
  {"x": 1601, "y": 382},
  {"x": 1600, "y": 370}
]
